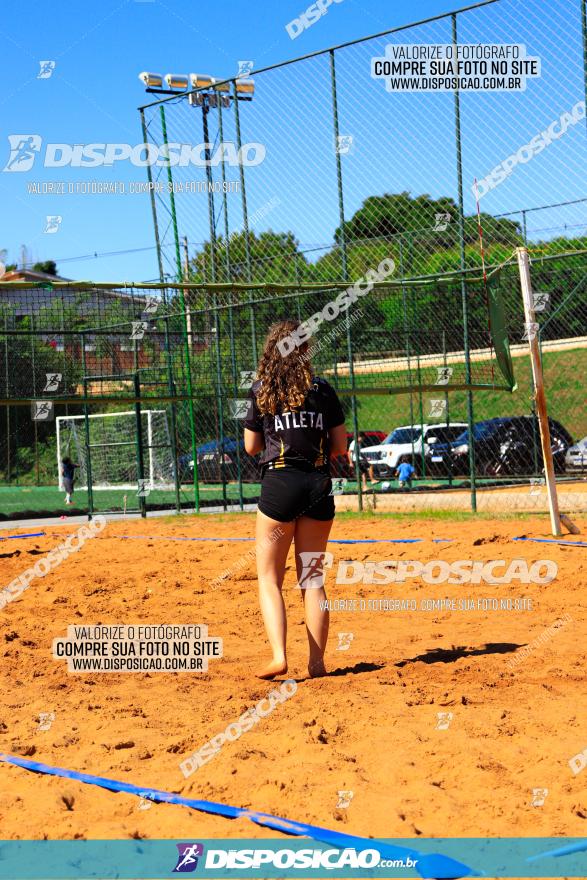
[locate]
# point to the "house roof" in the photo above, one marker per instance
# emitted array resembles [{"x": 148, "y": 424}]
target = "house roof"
[{"x": 31, "y": 275}]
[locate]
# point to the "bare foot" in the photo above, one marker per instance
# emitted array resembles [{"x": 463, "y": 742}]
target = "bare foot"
[
  {"x": 276, "y": 667},
  {"x": 316, "y": 668}
]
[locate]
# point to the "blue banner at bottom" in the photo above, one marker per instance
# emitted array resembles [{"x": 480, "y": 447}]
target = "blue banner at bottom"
[{"x": 303, "y": 858}]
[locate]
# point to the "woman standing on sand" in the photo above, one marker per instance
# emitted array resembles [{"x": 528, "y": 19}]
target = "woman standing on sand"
[{"x": 297, "y": 421}]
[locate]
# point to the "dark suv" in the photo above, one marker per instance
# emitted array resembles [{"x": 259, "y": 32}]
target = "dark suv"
[{"x": 503, "y": 446}]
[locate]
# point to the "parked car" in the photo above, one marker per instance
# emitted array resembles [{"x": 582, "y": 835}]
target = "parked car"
[
  {"x": 407, "y": 442},
  {"x": 576, "y": 457},
  {"x": 340, "y": 466},
  {"x": 503, "y": 446},
  {"x": 216, "y": 460}
]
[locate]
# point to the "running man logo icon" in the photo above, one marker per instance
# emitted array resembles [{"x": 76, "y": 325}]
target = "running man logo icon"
[
  {"x": 52, "y": 381},
  {"x": 239, "y": 409},
  {"x": 541, "y": 300},
  {"x": 344, "y": 799},
  {"x": 344, "y": 144},
  {"x": 23, "y": 151},
  {"x": 444, "y": 375},
  {"x": 245, "y": 68},
  {"x": 538, "y": 797},
  {"x": 441, "y": 222},
  {"x": 313, "y": 565},
  {"x": 42, "y": 410},
  {"x": 151, "y": 305},
  {"x": 47, "y": 68},
  {"x": 139, "y": 328},
  {"x": 53, "y": 223},
  {"x": 437, "y": 409},
  {"x": 46, "y": 719},
  {"x": 344, "y": 641},
  {"x": 530, "y": 331},
  {"x": 444, "y": 719},
  {"x": 247, "y": 378},
  {"x": 187, "y": 860}
]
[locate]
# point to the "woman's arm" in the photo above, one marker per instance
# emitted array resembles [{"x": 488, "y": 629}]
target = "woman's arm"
[
  {"x": 337, "y": 437},
  {"x": 254, "y": 442}
]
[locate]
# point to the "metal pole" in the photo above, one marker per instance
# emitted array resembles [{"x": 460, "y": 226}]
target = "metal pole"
[
  {"x": 219, "y": 400},
  {"x": 35, "y": 425},
  {"x": 87, "y": 431},
  {"x": 224, "y": 199},
  {"x": 210, "y": 182},
  {"x": 171, "y": 387},
  {"x": 245, "y": 224},
  {"x": 408, "y": 346},
  {"x": 345, "y": 275},
  {"x": 584, "y": 33},
  {"x": 171, "y": 197},
  {"x": 461, "y": 222},
  {"x": 139, "y": 445},
  {"x": 525, "y": 229},
  {"x": 539, "y": 395},
  {"x": 185, "y": 324},
  {"x": 7, "y": 377},
  {"x": 153, "y": 203}
]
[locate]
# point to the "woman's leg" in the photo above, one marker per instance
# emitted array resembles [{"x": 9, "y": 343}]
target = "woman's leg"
[
  {"x": 311, "y": 536},
  {"x": 273, "y": 541}
]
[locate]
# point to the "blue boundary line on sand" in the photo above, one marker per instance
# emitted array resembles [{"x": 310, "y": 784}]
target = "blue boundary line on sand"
[
  {"x": 554, "y": 541},
  {"x": 330, "y": 540},
  {"x": 30, "y": 535},
  {"x": 428, "y": 865}
]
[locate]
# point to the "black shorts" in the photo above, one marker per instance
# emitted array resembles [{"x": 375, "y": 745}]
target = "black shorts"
[{"x": 287, "y": 493}]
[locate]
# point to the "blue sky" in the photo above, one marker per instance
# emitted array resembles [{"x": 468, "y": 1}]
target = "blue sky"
[{"x": 405, "y": 143}]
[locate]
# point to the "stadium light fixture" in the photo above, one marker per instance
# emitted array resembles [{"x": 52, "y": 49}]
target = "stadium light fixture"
[
  {"x": 151, "y": 80},
  {"x": 245, "y": 88},
  {"x": 177, "y": 82}
]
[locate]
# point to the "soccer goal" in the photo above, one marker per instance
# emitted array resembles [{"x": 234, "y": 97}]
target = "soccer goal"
[{"x": 110, "y": 445}]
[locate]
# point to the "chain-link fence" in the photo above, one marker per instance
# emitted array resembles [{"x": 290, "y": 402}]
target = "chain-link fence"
[
  {"x": 334, "y": 158},
  {"x": 151, "y": 407}
]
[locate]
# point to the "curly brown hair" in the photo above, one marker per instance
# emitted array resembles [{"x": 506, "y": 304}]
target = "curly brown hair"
[{"x": 285, "y": 381}]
